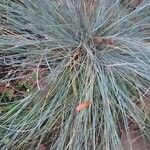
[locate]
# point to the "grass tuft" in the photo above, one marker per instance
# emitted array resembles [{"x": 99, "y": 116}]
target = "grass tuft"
[{"x": 97, "y": 60}]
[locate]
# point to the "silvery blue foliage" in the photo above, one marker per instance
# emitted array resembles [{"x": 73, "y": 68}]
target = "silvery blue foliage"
[{"x": 97, "y": 50}]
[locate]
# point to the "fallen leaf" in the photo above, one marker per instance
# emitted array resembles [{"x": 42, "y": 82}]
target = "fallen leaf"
[{"x": 83, "y": 105}]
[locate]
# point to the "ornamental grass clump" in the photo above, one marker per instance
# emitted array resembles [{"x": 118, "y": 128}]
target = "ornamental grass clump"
[{"x": 96, "y": 89}]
